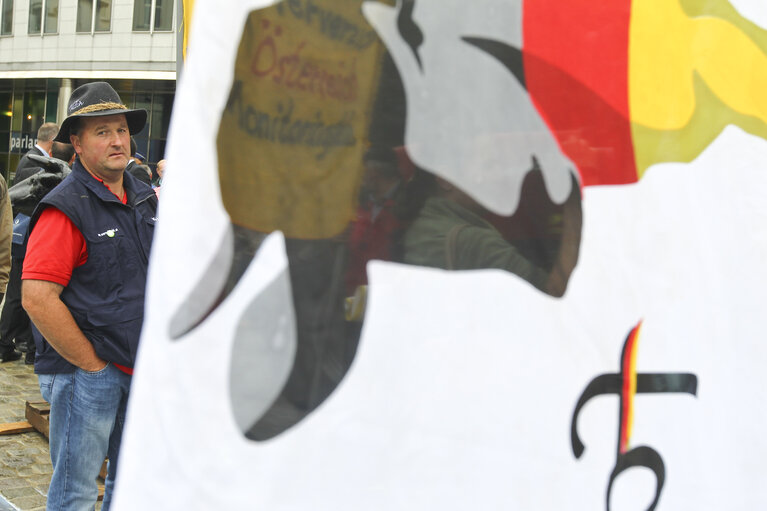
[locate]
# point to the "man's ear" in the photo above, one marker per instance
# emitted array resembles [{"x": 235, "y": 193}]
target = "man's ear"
[{"x": 75, "y": 141}]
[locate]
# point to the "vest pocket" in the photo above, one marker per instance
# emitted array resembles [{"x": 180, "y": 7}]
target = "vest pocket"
[
  {"x": 103, "y": 251},
  {"x": 114, "y": 331},
  {"x": 113, "y": 261}
]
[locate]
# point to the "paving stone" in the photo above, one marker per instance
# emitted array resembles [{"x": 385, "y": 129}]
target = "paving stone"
[
  {"x": 25, "y": 464},
  {"x": 28, "y": 502},
  {"x": 38, "y": 480},
  {"x": 17, "y": 462},
  {"x": 10, "y": 483},
  {"x": 42, "y": 460},
  {"x": 24, "y": 451},
  {"x": 27, "y": 471},
  {"x": 42, "y": 469},
  {"x": 42, "y": 489},
  {"x": 26, "y": 491}
]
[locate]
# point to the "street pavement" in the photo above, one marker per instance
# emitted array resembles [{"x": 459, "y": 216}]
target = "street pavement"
[{"x": 25, "y": 463}]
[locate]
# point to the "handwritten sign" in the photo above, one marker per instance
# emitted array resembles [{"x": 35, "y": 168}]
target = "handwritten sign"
[{"x": 296, "y": 123}]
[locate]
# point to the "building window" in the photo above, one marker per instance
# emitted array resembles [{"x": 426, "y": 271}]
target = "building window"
[
  {"x": 94, "y": 16},
  {"x": 6, "y": 18},
  {"x": 152, "y": 15},
  {"x": 6, "y": 112},
  {"x": 24, "y": 105},
  {"x": 49, "y": 23}
]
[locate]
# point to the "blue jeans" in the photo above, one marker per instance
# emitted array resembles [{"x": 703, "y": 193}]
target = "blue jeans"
[{"x": 86, "y": 422}]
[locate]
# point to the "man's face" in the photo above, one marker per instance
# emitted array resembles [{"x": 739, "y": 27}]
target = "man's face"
[{"x": 103, "y": 144}]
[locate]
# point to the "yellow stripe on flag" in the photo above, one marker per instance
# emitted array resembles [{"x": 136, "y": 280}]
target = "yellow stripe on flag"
[{"x": 187, "y": 17}]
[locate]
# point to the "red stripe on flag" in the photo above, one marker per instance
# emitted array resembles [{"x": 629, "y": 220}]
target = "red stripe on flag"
[{"x": 576, "y": 70}]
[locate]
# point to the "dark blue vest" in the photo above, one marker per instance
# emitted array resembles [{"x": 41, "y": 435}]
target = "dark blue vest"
[{"x": 106, "y": 294}]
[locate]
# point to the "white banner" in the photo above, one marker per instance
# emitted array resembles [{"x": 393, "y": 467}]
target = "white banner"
[{"x": 464, "y": 389}]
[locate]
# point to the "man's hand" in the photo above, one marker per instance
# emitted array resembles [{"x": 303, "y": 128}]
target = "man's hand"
[
  {"x": 42, "y": 301},
  {"x": 570, "y": 243},
  {"x": 98, "y": 365}
]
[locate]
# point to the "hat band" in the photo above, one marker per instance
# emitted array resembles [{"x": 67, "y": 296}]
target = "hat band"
[{"x": 98, "y": 107}]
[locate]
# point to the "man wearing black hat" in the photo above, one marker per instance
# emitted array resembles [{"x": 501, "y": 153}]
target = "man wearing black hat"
[{"x": 83, "y": 286}]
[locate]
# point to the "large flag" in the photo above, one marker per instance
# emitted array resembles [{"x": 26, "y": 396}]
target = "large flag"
[{"x": 452, "y": 254}]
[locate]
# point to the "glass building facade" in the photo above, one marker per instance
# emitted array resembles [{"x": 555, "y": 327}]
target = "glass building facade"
[{"x": 25, "y": 104}]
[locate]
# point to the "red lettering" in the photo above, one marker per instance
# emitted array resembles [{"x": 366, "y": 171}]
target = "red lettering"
[
  {"x": 294, "y": 72},
  {"x": 293, "y": 61},
  {"x": 258, "y": 67}
]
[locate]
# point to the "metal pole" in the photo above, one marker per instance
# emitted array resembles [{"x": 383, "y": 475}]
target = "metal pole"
[
  {"x": 180, "y": 29},
  {"x": 65, "y": 90}
]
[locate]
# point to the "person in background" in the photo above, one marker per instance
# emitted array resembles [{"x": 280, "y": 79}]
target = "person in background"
[
  {"x": 160, "y": 172},
  {"x": 450, "y": 231},
  {"x": 136, "y": 165},
  {"x": 43, "y": 146},
  {"x": 141, "y": 172},
  {"x": 136, "y": 157},
  {"x": 372, "y": 233},
  {"x": 6, "y": 231},
  {"x": 135, "y": 160},
  {"x": 15, "y": 328},
  {"x": 83, "y": 287},
  {"x": 63, "y": 151}
]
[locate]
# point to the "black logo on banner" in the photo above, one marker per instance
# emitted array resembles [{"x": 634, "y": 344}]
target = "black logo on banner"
[{"x": 626, "y": 383}]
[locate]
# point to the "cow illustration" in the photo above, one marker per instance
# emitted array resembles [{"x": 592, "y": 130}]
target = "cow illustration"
[{"x": 365, "y": 130}]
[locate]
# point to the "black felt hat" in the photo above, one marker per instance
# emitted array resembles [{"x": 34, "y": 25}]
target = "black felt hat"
[{"x": 97, "y": 99}]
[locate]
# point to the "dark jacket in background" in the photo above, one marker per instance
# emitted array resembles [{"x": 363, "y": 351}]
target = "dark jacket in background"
[
  {"x": 26, "y": 166},
  {"x": 139, "y": 172}
]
